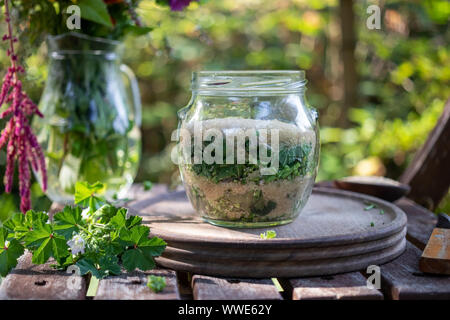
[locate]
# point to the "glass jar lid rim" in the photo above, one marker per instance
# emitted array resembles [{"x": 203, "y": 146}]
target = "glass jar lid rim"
[
  {"x": 247, "y": 72},
  {"x": 249, "y": 80}
]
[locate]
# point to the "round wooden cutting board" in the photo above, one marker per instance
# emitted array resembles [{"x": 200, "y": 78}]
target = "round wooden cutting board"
[{"x": 336, "y": 232}]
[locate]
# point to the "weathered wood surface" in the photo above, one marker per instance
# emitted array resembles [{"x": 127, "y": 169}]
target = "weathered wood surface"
[
  {"x": 264, "y": 269},
  {"x": 428, "y": 175},
  {"x": 421, "y": 222},
  {"x": 28, "y": 281},
  {"x": 436, "y": 256},
  {"x": 211, "y": 288},
  {"x": 402, "y": 279},
  {"x": 331, "y": 217},
  {"x": 343, "y": 286},
  {"x": 189, "y": 252},
  {"x": 133, "y": 286}
]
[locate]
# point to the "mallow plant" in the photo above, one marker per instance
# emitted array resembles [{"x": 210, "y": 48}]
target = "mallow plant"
[{"x": 94, "y": 235}]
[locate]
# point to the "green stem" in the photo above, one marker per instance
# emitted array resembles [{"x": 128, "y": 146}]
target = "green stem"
[{"x": 85, "y": 230}]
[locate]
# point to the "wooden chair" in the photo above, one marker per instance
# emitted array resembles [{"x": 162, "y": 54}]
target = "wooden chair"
[{"x": 428, "y": 175}]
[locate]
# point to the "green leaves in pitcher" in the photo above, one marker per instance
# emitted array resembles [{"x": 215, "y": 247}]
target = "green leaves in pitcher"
[
  {"x": 89, "y": 132},
  {"x": 94, "y": 235},
  {"x": 10, "y": 251}
]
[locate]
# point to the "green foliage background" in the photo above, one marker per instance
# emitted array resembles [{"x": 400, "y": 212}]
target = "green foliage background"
[{"x": 403, "y": 70}]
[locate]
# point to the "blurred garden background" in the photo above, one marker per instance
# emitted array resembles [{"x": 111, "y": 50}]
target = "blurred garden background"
[{"x": 378, "y": 92}]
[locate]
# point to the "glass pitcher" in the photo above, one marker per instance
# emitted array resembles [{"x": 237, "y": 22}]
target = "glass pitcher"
[
  {"x": 249, "y": 147},
  {"x": 92, "y": 115}
]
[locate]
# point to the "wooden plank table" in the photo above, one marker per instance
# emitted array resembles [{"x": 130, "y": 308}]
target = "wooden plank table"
[{"x": 400, "y": 279}]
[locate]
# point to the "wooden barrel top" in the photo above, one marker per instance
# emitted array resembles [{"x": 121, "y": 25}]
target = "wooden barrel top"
[
  {"x": 337, "y": 231},
  {"x": 331, "y": 217}
]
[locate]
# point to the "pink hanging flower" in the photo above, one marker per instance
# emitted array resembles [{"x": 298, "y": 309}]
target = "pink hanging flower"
[{"x": 21, "y": 144}]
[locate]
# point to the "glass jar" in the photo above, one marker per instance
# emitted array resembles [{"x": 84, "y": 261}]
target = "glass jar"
[
  {"x": 92, "y": 113},
  {"x": 248, "y": 147}
]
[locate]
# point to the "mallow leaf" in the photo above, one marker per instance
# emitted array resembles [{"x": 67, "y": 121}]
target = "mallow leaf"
[
  {"x": 107, "y": 265},
  {"x": 85, "y": 195},
  {"x": 10, "y": 251},
  {"x": 141, "y": 249},
  {"x": 45, "y": 242},
  {"x": 68, "y": 221},
  {"x": 20, "y": 224},
  {"x": 87, "y": 265},
  {"x": 106, "y": 212},
  {"x": 137, "y": 259},
  {"x": 120, "y": 219}
]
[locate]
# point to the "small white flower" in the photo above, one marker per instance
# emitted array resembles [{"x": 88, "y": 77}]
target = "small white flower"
[
  {"x": 76, "y": 244},
  {"x": 85, "y": 214}
]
